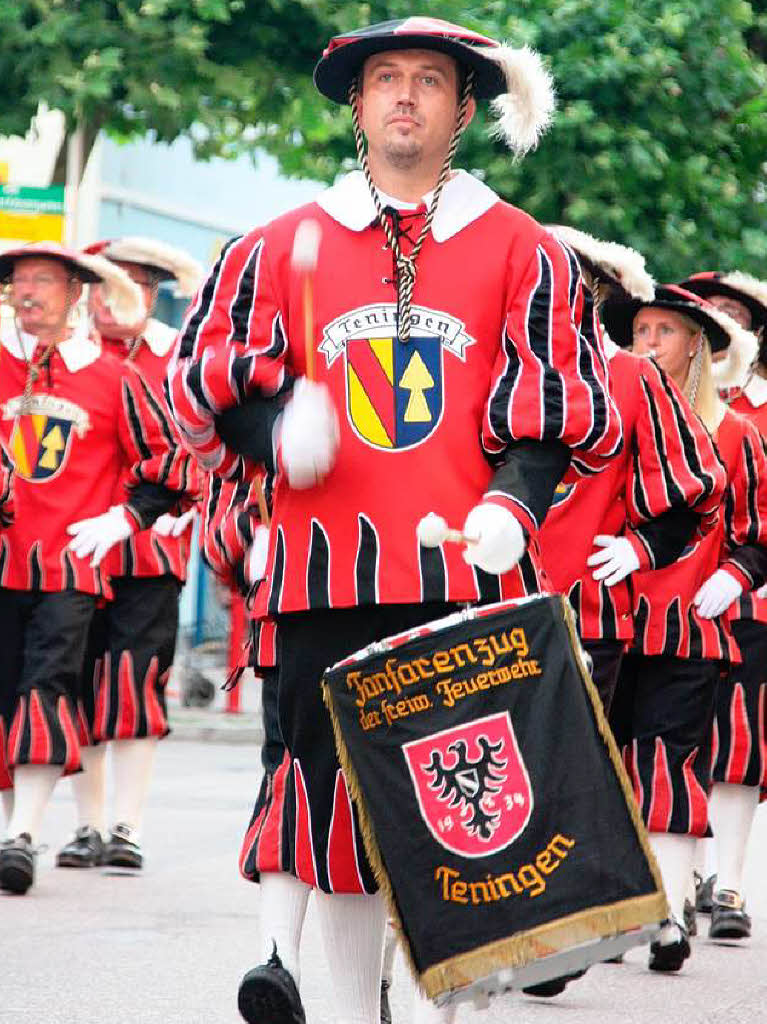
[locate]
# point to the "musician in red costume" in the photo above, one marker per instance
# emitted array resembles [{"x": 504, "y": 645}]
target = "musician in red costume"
[
  {"x": 133, "y": 637},
  {"x": 740, "y": 733},
  {"x": 93, "y": 467},
  {"x": 663, "y": 708},
  {"x": 444, "y": 370}
]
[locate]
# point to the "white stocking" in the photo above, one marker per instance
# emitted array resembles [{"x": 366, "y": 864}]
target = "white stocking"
[
  {"x": 353, "y": 933},
  {"x": 7, "y": 795},
  {"x": 132, "y": 765},
  {"x": 33, "y": 786},
  {"x": 390, "y": 951},
  {"x": 89, "y": 788},
  {"x": 283, "y": 900},
  {"x": 731, "y": 809},
  {"x": 674, "y": 854}
]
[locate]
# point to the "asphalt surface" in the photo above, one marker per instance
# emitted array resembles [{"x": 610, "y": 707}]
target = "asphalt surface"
[{"x": 171, "y": 944}]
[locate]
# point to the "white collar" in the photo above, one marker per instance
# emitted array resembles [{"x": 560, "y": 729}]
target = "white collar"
[
  {"x": 159, "y": 337},
  {"x": 78, "y": 351},
  {"x": 756, "y": 390},
  {"x": 464, "y": 199}
]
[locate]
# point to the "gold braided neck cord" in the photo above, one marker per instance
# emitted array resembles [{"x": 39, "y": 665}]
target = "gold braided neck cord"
[{"x": 406, "y": 265}]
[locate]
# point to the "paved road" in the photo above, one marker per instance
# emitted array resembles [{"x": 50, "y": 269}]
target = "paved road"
[{"x": 171, "y": 945}]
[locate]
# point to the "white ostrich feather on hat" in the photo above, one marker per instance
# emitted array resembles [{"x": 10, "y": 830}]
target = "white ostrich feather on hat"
[
  {"x": 750, "y": 286},
  {"x": 619, "y": 262},
  {"x": 186, "y": 271},
  {"x": 733, "y": 370},
  {"x": 525, "y": 110},
  {"x": 121, "y": 294}
]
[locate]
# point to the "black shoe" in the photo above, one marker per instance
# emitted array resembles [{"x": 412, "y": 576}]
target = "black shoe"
[
  {"x": 729, "y": 920},
  {"x": 86, "y": 850},
  {"x": 268, "y": 995},
  {"x": 17, "y": 864},
  {"x": 689, "y": 918},
  {"x": 554, "y": 987},
  {"x": 385, "y": 1008},
  {"x": 670, "y": 956},
  {"x": 121, "y": 850},
  {"x": 704, "y": 893}
]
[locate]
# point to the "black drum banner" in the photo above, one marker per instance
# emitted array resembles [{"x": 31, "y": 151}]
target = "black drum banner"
[{"x": 494, "y": 806}]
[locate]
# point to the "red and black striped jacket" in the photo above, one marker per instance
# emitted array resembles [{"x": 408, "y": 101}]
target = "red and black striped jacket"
[
  {"x": 496, "y": 356},
  {"x": 751, "y": 403},
  {"x": 148, "y": 553},
  {"x": 229, "y": 518},
  {"x": 89, "y": 425},
  {"x": 668, "y": 463},
  {"x": 665, "y": 619}
]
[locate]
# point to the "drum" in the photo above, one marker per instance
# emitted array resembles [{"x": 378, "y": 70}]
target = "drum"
[{"x": 494, "y": 807}]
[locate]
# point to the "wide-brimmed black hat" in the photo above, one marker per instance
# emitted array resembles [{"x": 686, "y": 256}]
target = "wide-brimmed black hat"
[
  {"x": 515, "y": 78},
  {"x": 344, "y": 55},
  {"x": 742, "y": 287},
  {"x": 618, "y": 314}
]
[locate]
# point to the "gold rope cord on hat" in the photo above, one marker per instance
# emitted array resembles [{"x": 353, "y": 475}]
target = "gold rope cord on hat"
[{"x": 406, "y": 265}]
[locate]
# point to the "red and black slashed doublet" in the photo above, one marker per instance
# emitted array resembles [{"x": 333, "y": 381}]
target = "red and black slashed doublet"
[
  {"x": 230, "y": 514},
  {"x": 665, "y": 619},
  {"x": 148, "y": 553},
  {"x": 740, "y": 729},
  {"x": 501, "y": 357},
  {"x": 663, "y": 712},
  {"x": 668, "y": 462},
  {"x": 496, "y": 355},
  {"x": 87, "y": 427}
]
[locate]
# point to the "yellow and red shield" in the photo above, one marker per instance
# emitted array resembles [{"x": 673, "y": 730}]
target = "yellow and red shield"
[{"x": 394, "y": 391}]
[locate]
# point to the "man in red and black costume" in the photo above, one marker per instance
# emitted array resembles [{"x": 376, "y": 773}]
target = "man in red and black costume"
[
  {"x": 447, "y": 372},
  {"x": 739, "y": 771},
  {"x": 133, "y": 637},
  {"x": 93, "y": 467}
]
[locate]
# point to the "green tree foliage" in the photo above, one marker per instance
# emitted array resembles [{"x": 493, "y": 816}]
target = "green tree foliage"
[{"x": 659, "y": 141}]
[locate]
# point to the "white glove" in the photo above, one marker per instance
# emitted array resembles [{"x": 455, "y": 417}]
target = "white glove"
[
  {"x": 616, "y": 560},
  {"x": 308, "y": 434},
  {"x": 255, "y": 563},
  {"x": 500, "y": 540},
  {"x": 97, "y": 535},
  {"x": 173, "y": 526},
  {"x": 762, "y": 591},
  {"x": 717, "y": 594}
]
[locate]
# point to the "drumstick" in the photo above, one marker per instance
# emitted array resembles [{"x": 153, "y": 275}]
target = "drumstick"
[
  {"x": 433, "y": 530},
  {"x": 306, "y": 247},
  {"x": 263, "y": 510}
]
